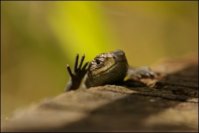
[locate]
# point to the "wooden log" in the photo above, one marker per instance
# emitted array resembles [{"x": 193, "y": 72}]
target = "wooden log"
[{"x": 169, "y": 103}]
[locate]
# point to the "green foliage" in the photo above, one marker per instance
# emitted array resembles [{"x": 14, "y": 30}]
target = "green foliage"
[{"x": 81, "y": 27}]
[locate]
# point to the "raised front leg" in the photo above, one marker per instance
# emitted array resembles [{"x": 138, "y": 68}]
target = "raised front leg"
[{"x": 78, "y": 75}]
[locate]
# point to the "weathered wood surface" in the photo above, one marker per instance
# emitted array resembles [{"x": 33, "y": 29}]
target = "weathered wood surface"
[{"x": 170, "y": 104}]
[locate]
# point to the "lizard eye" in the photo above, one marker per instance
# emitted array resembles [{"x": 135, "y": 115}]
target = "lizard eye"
[{"x": 98, "y": 61}]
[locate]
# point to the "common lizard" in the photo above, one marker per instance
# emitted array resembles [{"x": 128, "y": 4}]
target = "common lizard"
[
  {"x": 112, "y": 68},
  {"x": 105, "y": 68}
]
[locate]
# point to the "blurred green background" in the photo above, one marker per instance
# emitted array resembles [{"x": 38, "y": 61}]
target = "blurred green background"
[{"x": 39, "y": 38}]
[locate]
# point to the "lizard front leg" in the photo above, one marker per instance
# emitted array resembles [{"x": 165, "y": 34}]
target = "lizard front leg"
[{"x": 78, "y": 75}]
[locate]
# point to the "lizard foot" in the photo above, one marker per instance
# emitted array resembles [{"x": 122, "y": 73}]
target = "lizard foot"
[
  {"x": 79, "y": 73},
  {"x": 141, "y": 73}
]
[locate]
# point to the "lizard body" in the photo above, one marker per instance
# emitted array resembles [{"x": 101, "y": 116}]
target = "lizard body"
[{"x": 105, "y": 68}]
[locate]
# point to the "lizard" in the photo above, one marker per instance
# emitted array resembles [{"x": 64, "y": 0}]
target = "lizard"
[
  {"x": 112, "y": 68},
  {"x": 106, "y": 68}
]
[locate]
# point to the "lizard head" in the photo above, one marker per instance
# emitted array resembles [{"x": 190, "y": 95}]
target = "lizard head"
[{"x": 107, "y": 68}]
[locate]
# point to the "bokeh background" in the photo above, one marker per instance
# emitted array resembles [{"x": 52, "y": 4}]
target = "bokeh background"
[{"x": 39, "y": 38}]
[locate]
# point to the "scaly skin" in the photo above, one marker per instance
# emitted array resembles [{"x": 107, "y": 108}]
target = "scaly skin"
[{"x": 105, "y": 68}]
